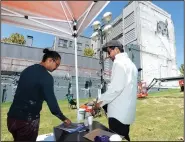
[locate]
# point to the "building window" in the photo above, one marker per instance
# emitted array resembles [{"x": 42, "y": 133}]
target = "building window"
[
  {"x": 79, "y": 46},
  {"x": 119, "y": 21},
  {"x": 118, "y": 37},
  {"x": 70, "y": 44},
  {"x": 129, "y": 20},
  {"x": 62, "y": 43}
]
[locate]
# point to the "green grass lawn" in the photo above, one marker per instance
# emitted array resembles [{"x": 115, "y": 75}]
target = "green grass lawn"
[{"x": 159, "y": 117}]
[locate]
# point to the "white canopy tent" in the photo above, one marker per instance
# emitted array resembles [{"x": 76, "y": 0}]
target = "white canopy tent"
[{"x": 60, "y": 18}]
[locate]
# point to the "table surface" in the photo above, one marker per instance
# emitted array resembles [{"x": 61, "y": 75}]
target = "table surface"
[{"x": 61, "y": 135}]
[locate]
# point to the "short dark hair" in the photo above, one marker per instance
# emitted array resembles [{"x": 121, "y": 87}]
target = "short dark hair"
[
  {"x": 120, "y": 48},
  {"x": 50, "y": 54}
]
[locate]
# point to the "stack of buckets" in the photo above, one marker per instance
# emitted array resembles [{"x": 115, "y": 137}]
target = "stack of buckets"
[{"x": 83, "y": 115}]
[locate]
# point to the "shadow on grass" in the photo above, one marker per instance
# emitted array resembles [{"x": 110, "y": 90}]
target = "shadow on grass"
[
  {"x": 174, "y": 97},
  {"x": 167, "y": 96},
  {"x": 144, "y": 98}
]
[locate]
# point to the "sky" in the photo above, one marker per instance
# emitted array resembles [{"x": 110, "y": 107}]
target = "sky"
[{"x": 175, "y": 8}]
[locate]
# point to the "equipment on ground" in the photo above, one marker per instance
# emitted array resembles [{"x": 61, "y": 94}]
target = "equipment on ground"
[
  {"x": 181, "y": 84},
  {"x": 143, "y": 89}
]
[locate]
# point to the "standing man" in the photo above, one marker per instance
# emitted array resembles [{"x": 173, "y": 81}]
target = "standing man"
[
  {"x": 121, "y": 95},
  {"x": 35, "y": 86}
]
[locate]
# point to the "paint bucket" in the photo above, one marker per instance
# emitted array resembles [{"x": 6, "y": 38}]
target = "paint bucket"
[{"x": 81, "y": 114}]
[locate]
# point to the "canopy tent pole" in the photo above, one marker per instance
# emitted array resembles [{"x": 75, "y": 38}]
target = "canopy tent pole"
[
  {"x": 76, "y": 73},
  {"x": 76, "y": 62},
  {"x": 50, "y": 19},
  {"x": 76, "y": 54},
  {"x": 69, "y": 10},
  {"x": 89, "y": 9},
  {"x": 61, "y": 30},
  {"x": 13, "y": 15},
  {"x": 75, "y": 34},
  {"x": 13, "y": 12},
  {"x": 36, "y": 21},
  {"x": 66, "y": 16}
]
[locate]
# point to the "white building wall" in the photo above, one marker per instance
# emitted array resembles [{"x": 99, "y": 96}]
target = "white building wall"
[
  {"x": 154, "y": 52},
  {"x": 151, "y": 41}
]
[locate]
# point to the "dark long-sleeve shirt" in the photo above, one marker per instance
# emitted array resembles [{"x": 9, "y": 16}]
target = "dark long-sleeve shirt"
[{"x": 35, "y": 85}]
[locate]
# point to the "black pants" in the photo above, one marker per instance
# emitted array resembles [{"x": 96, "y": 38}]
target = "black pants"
[
  {"x": 119, "y": 128},
  {"x": 23, "y": 130}
]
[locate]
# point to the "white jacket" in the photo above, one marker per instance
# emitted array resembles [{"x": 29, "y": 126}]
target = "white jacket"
[{"x": 121, "y": 94}]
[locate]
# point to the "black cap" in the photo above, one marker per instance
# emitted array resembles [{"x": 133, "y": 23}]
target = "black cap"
[{"x": 112, "y": 43}]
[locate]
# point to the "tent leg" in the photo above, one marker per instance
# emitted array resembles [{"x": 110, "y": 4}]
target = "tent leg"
[{"x": 76, "y": 71}]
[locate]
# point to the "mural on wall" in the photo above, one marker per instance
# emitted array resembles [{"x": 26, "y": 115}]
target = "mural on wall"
[{"x": 162, "y": 27}]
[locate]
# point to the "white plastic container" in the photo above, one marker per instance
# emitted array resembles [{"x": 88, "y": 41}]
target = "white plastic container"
[
  {"x": 81, "y": 114},
  {"x": 90, "y": 120},
  {"x": 87, "y": 114},
  {"x": 115, "y": 137}
]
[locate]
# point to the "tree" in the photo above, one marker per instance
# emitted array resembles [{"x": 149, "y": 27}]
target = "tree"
[
  {"x": 15, "y": 38},
  {"x": 182, "y": 69},
  {"x": 6, "y": 40},
  {"x": 88, "y": 52}
]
